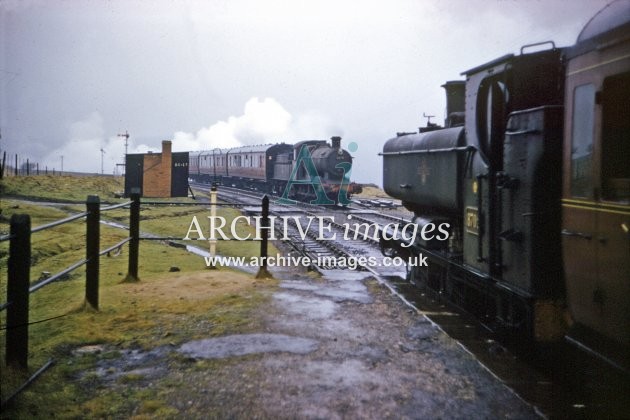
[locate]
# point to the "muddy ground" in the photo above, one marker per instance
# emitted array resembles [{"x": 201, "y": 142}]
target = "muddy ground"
[{"x": 336, "y": 346}]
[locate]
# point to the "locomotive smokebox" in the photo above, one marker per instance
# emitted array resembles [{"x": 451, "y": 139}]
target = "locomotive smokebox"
[
  {"x": 336, "y": 142},
  {"x": 424, "y": 170}
]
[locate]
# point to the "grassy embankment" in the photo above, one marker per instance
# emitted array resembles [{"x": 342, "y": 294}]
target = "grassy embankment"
[{"x": 163, "y": 308}]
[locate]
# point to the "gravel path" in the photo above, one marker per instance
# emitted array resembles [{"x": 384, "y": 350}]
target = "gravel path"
[{"x": 337, "y": 346}]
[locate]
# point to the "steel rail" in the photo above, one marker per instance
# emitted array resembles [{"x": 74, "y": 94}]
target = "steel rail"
[{"x": 158, "y": 203}]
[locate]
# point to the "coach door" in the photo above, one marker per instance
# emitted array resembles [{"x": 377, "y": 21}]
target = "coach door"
[
  {"x": 578, "y": 205},
  {"x": 596, "y": 197},
  {"x": 613, "y": 215}
]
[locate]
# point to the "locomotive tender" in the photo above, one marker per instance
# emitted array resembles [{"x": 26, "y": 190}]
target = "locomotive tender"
[
  {"x": 532, "y": 172},
  {"x": 271, "y": 167}
]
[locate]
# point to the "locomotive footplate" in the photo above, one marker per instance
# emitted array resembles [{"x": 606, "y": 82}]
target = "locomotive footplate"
[{"x": 498, "y": 305}]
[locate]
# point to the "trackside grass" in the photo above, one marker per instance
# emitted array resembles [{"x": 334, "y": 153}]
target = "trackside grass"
[{"x": 163, "y": 309}]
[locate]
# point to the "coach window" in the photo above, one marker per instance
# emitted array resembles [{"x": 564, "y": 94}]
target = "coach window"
[
  {"x": 616, "y": 138},
  {"x": 582, "y": 141}
]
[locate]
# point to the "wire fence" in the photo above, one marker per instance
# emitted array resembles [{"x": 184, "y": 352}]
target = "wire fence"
[
  {"x": 15, "y": 165},
  {"x": 19, "y": 285}
]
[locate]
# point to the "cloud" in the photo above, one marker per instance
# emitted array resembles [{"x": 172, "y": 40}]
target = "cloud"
[
  {"x": 17, "y": 5},
  {"x": 262, "y": 121},
  {"x": 163, "y": 67},
  {"x": 82, "y": 151}
]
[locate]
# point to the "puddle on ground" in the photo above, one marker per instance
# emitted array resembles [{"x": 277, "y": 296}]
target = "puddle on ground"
[
  {"x": 338, "y": 291},
  {"x": 345, "y": 275},
  {"x": 347, "y": 373},
  {"x": 423, "y": 330},
  {"x": 321, "y": 329},
  {"x": 340, "y": 294},
  {"x": 113, "y": 363},
  {"x": 373, "y": 354},
  {"x": 240, "y": 345},
  {"x": 312, "y": 307},
  {"x": 299, "y": 285},
  {"x": 341, "y": 285}
]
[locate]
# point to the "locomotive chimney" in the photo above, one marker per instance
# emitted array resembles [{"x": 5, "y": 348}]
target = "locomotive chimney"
[
  {"x": 336, "y": 142},
  {"x": 455, "y": 102}
]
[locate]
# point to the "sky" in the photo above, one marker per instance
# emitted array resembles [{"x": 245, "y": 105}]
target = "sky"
[{"x": 74, "y": 74}]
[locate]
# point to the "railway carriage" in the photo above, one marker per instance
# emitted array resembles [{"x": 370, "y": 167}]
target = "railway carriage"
[
  {"x": 252, "y": 166},
  {"x": 208, "y": 166},
  {"x": 596, "y": 182},
  {"x": 272, "y": 167}
]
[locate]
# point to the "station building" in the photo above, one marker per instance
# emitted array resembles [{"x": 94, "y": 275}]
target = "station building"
[{"x": 157, "y": 175}]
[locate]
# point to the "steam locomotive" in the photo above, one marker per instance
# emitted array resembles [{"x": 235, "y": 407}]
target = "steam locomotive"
[
  {"x": 532, "y": 173},
  {"x": 272, "y": 167}
]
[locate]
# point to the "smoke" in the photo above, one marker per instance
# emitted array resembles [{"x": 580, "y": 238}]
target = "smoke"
[
  {"x": 263, "y": 121},
  {"x": 81, "y": 152}
]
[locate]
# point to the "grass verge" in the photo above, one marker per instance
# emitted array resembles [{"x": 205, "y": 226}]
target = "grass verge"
[
  {"x": 163, "y": 309},
  {"x": 61, "y": 188}
]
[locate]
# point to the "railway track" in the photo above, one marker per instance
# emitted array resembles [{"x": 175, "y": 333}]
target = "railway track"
[
  {"x": 547, "y": 378},
  {"x": 350, "y": 244}
]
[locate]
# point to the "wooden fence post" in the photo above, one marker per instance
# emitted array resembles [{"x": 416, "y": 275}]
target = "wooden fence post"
[
  {"x": 213, "y": 213},
  {"x": 263, "y": 273},
  {"x": 19, "y": 278},
  {"x": 4, "y": 164},
  {"x": 134, "y": 234},
  {"x": 92, "y": 249}
]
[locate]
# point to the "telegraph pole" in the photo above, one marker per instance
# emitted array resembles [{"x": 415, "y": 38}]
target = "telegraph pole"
[
  {"x": 102, "y": 153},
  {"x": 61, "y": 164}
]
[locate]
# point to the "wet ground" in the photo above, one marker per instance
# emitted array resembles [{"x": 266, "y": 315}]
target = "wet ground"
[
  {"x": 336, "y": 346},
  {"x": 559, "y": 379}
]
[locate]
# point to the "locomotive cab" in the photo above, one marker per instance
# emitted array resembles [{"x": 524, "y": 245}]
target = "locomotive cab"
[{"x": 493, "y": 91}]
